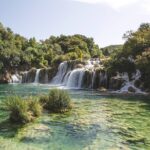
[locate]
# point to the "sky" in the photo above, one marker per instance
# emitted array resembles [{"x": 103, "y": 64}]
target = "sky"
[{"x": 104, "y": 20}]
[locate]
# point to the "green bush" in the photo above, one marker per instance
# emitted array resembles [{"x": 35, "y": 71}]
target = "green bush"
[
  {"x": 43, "y": 100},
  {"x": 35, "y": 107},
  {"x": 18, "y": 109},
  {"x": 71, "y": 56},
  {"x": 21, "y": 111},
  {"x": 57, "y": 101}
]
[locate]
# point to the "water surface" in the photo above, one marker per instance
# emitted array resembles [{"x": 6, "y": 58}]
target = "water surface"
[{"x": 96, "y": 122}]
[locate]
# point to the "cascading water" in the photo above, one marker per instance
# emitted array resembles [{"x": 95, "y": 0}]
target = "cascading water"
[
  {"x": 93, "y": 79},
  {"x": 62, "y": 70},
  {"x": 74, "y": 78},
  {"x": 130, "y": 84},
  {"x": 37, "y": 76},
  {"x": 85, "y": 74},
  {"x": 15, "y": 78}
]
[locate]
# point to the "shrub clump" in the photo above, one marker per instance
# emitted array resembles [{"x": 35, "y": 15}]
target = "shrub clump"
[
  {"x": 21, "y": 110},
  {"x": 57, "y": 101},
  {"x": 35, "y": 107}
]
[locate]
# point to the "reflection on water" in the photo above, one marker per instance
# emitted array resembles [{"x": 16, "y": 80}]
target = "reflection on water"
[{"x": 95, "y": 123}]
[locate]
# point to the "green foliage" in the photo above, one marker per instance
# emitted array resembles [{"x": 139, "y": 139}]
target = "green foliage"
[
  {"x": 72, "y": 56},
  {"x": 35, "y": 107},
  {"x": 21, "y": 111},
  {"x": 111, "y": 50},
  {"x": 137, "y": 41},
  {"x": 143, "y": 63},
  {"x": 58, "y": 59},
  {"x": 137, "y": 47},
  {"x": 21, "y": 53},
  {"x": 18, "y": 109},
  {"x": 57, "y": 101},
  {"x": 43, "y": 100},
  {"x": 121, "y": 65}
]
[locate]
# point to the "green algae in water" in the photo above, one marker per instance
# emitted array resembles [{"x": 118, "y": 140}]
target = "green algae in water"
[{"x": 95, "y": 122}]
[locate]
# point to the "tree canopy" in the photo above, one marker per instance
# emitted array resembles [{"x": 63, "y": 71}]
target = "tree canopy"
[
  {"x": 17, "y": 52},
  {"x": 135, "y": 54}
]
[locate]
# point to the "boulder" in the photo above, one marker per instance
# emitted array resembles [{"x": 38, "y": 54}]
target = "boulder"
[
  {"x": 116, "y": 83},
  {"x": 43, "y": 75},
  {"x": 46, "y": 74},
  {"x": 51, "y": 73},
  {"x": 131, "y": 89},
  {"x": 137, "y": 83},
  {"x": 87, "y": 79},
  {"x": 5, "y": 78},
  {"x": 102, "y": 89}
]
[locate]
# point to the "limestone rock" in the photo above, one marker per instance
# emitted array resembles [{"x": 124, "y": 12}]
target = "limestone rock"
[
  {"x": 116, "y": 83},
  {"x": 79, "y": 66},
  {"x": 131, "y": 89},
  {"x": 29, "y": 77},
  {"x": 5, "y": 78}
]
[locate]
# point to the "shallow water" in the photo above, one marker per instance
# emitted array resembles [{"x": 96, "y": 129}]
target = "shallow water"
[{"x": 96, "y": 123}]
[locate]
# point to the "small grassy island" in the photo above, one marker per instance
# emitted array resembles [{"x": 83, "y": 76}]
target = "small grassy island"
[{"x": 26, "y": 110}]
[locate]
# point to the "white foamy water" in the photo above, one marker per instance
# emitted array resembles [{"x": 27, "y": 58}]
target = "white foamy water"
[
  {"x": 136, "y": 76},
  {"x": 37, "y": 76},
  {"x": 74, "y": 78},
  {"x": 15, "y": 78}
]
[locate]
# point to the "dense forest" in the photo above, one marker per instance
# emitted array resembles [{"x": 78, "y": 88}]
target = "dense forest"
[{"x": 20, "y": 53}]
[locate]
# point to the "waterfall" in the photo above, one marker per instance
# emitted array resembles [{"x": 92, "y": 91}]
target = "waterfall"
[
  {"x": 46, "y": 77},
  {"x": 37, "y": 76},
  {"x": 72, "y": 74},
  {"x": 72, "y": 77},
  {"x": 66, "y": 78},
  {"x": 62, "y": 70},
  {"x": 15, "y": 78},
  {"x": 130, "y": 84},
  {"x": 81, "y": 74},
  {"x": 93, "y": 79},
  {"x": 75, "y": 78}
]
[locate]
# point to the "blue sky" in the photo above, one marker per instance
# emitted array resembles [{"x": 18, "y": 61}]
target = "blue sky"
[{"x": 104, "y": 20}]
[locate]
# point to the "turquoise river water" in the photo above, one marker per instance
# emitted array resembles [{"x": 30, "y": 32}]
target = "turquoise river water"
[{"x": 96, "y": 122}]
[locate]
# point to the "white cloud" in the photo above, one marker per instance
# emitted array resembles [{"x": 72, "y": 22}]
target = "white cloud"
[{"x": 118, "y": 4}]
